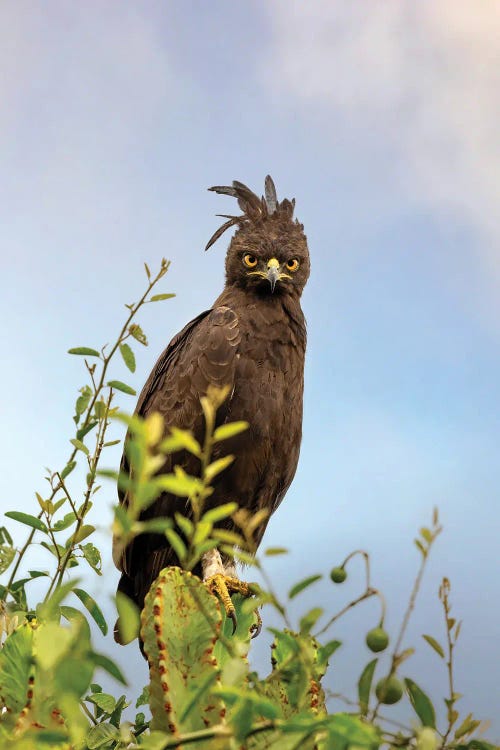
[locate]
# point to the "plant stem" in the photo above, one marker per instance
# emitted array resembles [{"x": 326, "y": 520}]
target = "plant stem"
[
  {"x": 443, "y": 595},
  {"x": 366, "y": 595},
  {"x": 219, "y": 731}
]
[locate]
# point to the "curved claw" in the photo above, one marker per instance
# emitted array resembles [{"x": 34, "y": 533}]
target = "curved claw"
[
  {"x": 234, "y": 620},
  {"x": 256, "y": 628}
]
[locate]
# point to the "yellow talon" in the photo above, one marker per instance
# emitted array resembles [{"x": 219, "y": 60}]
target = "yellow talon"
[{"x": 221, "y": 586}]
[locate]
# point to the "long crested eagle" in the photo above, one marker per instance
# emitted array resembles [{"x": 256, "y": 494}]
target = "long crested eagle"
[{"x": 253, "y": 340}]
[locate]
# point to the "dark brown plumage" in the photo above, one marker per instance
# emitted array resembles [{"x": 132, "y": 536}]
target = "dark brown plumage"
[{"x": 252, "y": 339}]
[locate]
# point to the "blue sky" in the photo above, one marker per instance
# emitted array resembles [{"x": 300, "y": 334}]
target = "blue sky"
[{"x": 381, "y": 119}]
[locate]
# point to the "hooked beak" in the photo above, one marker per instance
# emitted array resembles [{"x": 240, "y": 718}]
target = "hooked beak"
[{"x": 273, "y": 273}]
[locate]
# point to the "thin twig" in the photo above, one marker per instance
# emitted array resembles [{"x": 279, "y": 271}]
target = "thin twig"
[
  {"x": 88, "y": 713},
  {"x": 443, "y": 595},
  {"x": 366, "y": 595}
]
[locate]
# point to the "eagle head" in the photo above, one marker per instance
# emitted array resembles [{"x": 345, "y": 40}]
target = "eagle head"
[{"x": 268, "y": 253}]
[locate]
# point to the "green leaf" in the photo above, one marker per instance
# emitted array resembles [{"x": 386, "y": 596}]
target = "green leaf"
[
  {"x": 365, "y": 685},
  {"x": 220, "y": 512},
  {"x": 143, "y": 699},
  {"x": 350, "y": 731},
  {"x": 159, "y": 297},
  {"x": 226, "y": 431},
  {"x": 82, "y": 533},
  {"x": 5, "y": 537},
  {"x": 7, "y": 554},
  {"x": 92, "y": 556},
  {"x": 128, "y": 356},
  {"x": 116, "y": 716},
  {"x": 421, "y": 703},
  {"x": 180, "y": 439},
  {"x": 217, "y": 466},
  {"x": 84, "y": 351},
  {"x": 83, "y": 401},
  {"x": 104, "y": 701},
  {"x": 468, "y": 726},
  {"x": 421, "y": 547},
  {"x": 119, "y": 386},
  {"x": 51, "y": 737},
  {"x": 426, "y": 534},
  {"x": 435, "y": 645},
  {"x": 80, "y": 434},
  {"x": 156, "y": 525},
  {"x": 70, "y": 613},
  {"x": 301, "y": 585},
  {"x": 324, "y": 652},
  {"x": 100, "y": 409},
  {"x": 185, "y": 525},
  {"x": 309, "y": 620},
  {"x": 101, "y": 735},
  {"x": 93, "y": 608},
  {"x": 68, "y": 469},
  {"x": 49, "y": 609},
  {"x": 230, "y": 537},
  {"x": 27, "y": 519},
  {"x": 138, "y": 334},
  {"x": 177, "y": 544},
  {"x": 79, "y": 446},
  {"x": 65, "y": 522},
  {"x": 128, "y": 618},
  {"x": 272, "y": 551},
  {"x": 180, "y": 485},
  {"x": 103, "y": 661}
]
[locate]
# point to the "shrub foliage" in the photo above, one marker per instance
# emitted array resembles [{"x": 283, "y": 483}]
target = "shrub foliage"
[{"x": 202, "y": 691}]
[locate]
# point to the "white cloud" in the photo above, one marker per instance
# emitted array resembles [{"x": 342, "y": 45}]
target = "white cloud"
[{"x": 422, "y": 77}]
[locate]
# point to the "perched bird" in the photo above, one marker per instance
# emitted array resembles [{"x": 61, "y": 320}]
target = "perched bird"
[{"x": 253, "y": 340}]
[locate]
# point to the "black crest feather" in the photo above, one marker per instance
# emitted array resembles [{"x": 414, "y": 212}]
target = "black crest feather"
[{"x": 254, "y": 209}]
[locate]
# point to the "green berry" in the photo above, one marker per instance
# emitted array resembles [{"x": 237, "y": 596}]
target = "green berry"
[
  {"x": 377, "y": 640},
  {"x": 338, "y": 575},
  {"x": 389, "y": 690}
]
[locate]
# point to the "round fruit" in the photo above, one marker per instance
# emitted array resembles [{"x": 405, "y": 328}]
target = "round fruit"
[
  {"x": 377, "y": 640},
  {"x": 338, "y": 575},
  {"x": 389, "y": 689}
]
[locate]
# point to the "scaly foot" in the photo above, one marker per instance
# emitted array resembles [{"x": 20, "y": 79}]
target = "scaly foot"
[{"x": 223, "y": 586}]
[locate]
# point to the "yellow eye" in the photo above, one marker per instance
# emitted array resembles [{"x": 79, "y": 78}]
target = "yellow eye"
[
  {"x": 250, "y": 260},
  {"x": 292, "y": 264}
]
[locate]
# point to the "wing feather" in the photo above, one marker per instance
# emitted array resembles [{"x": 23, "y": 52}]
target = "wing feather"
[{"x": 204, "y": 353}]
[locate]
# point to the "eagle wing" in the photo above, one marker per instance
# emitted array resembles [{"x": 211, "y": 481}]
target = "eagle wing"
[{"x": 204, "y": 353}]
